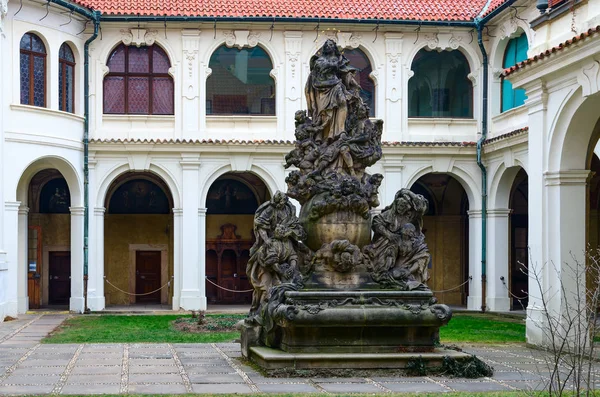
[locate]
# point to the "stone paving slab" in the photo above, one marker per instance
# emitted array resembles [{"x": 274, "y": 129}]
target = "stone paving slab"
[{"x": 28, "y": 367}]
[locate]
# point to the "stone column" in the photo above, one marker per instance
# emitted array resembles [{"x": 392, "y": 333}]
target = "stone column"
[
  {"x": 76, "y": 302},
  {"x": 393, "y": 88},
  {"x": 498, "y": 248},
  {"x": 177, "y": 246},
  {"x": 190, "y": 292},
  {"x": 96, "y": 299},
  {"x": 293, "y": 80},
  {"x": 22, "y": 260},
  {"x": 202, "y": 256},
  {"x": 474, "y": 299},
  {"x": 392, "y": 181}
]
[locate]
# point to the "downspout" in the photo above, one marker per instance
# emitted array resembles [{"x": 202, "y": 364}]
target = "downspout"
[
  {"x": 86, "y": 170},
  {"x": 484, "y": 131}
]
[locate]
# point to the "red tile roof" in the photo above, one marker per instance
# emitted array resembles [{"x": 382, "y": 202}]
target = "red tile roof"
[
  {"x": 589, "y": 33},
  {"x": 425, "y": 10}
]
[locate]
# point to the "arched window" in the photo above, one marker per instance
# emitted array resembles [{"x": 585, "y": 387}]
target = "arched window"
[
  {"x": 33, "y": 70},
  {"x": 66, "y": 73},
  {"x": 516, "y": 51},
  {"x": 240, "y": 82},
  {"x": 440, "y": 86},
  {"x": 138, "y": 81},
  {"x": 359, "y": 60}
]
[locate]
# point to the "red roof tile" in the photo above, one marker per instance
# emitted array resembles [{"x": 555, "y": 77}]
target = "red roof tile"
[
  {"x": 590, "y": 32},
  {"x": 426, "y": 10}
]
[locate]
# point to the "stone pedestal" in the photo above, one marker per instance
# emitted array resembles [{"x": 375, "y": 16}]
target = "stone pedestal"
[{"x": 349, "y": 329}]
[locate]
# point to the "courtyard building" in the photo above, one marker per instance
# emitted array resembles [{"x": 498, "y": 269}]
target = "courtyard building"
[{"x": 136, "y": 143}]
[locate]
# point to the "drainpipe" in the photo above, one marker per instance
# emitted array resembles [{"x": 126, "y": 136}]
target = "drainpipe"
[
  {"x": 86, "y": 170},
  {"x": 484, "y": 131}
]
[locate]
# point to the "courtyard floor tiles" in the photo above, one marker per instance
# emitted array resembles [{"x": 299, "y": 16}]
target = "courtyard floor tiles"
[{"x": 28, "y": 367}]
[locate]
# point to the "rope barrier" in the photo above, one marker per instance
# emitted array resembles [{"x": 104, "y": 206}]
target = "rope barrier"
[
  {"x": 145, "y": 293},
  {"x": 227, "y": 289},
  {"x": 452, "y": 289},
  {"x": 510, "y": 293}
]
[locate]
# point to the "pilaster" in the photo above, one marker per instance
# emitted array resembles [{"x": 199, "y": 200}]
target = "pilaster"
[
  {"x": 177, "y": 254},
  {"x": 96, "y": 299},
  {"x": 21, "y": 262},
  {"x": 202, "y": 255},
  {"x": 474, "y": 300},
  {"x": 11, "y": 241},
  {"x": 293, "y": 80},
  {"x": 76, "y": 303},
  {"x": 191, "y": 298},
  {"x": 497, "y": 298},
  {"x": 393, "y": 87},
  {"x": 193, "y": 110}
]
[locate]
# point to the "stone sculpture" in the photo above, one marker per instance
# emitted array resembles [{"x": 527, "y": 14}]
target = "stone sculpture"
[{"x": 321, "y": 284}]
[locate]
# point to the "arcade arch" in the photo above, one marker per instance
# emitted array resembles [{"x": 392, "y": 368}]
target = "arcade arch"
[
  {"x": 231, "y": 202},
  {"x": 448, "y": 206},
  {"x": 138, "y": 228}
]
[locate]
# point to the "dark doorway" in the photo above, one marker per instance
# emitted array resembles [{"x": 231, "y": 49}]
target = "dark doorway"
[
  {"x": 519, "y": 253},
  {"x": 147, "y": 276},
  {"x": 59, "y": 277}
]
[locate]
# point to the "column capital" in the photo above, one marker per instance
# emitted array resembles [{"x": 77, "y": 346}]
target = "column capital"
[
  {"x": 569, "y": 177},
  {"x": 178, "y": 212},
  {"x": 99, "y": 211},
  {"x": 12, "y": 205},
  {"x": 23, "y": 210},
  {"x": 77, "y": 211},
  {"x": 499, "y": 212},
  {"x": 190, "y": 162},
  {"x": 202, "y": 211},
  {"x": 474, "y": 214}
]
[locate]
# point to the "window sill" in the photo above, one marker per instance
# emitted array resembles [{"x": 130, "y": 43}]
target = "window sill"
[
  {"x": 37, "y": 109},
  {"x": 240, "y": 118},
  {"x": 510, "y": 113},
  {"x": 434, "y": 120},
  {"x": 138, "y": 117}
]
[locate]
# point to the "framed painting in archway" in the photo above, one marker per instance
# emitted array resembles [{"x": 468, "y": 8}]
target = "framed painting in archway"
[
  {"x": 55, "y": 197},
  {"x": 139, "y": 196}
]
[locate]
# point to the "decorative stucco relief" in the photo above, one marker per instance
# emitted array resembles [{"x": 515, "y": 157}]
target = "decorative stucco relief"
[
  {"x": 138, "y": 37},
  {"x": 241, "y": 38},
  {"x": 589, "y": 78}
]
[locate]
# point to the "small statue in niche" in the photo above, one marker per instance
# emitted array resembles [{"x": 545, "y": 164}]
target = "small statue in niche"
[
  {"x": 398, "y": 254},
  {"x": 276, "y": 256}
]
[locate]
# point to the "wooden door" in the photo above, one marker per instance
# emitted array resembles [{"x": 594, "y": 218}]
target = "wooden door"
[
  {"x": 519, "y": 280},
  {"x": 212, "y": 274},
  {"x": 244, "y": 282},
  {"x": 34, "y": 265},
  {"x": 228, "y": 276},
  {"x": 59, "y": 280},
  {"x": 147, "y": 276}
]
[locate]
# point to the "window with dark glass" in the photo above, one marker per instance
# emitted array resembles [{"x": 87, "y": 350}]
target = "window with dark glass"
[
  {"x": 440, "y": 86},
  {"x": 240, "y": 82},
  {"x": 516, "y": 51},
  {"x": 138, "y": 81},
  {"x": 66, "y": 78},
  {"x": 33, "y": 70},
  {"x": 359, "y": 60}
]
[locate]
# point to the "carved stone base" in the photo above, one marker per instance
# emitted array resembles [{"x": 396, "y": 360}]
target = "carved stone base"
[
  {"x": 353, "y": 322},
  {"x": 269, "y": 358}
]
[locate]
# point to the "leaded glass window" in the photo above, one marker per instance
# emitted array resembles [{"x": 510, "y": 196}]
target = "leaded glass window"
[
  {"x": 33, "y": 70},
  {"x": 138, "y": 81},
  {"x": 66, "y": 76},
  {"x": 359, "y": 60},
  {"x": 440, "y": 86},
  {"x": 240, "y": 82}
]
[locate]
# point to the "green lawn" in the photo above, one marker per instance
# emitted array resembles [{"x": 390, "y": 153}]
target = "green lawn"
[
  {"x": 141, "y": 328},
  {"x": 482, "y": 328},
  {"x": 131, "y": 329}
]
